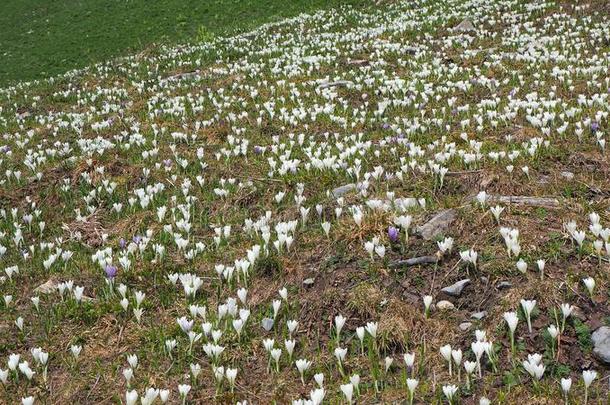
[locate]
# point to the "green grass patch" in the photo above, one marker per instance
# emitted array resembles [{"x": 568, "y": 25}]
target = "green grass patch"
[{"x": 45, "y": 38}]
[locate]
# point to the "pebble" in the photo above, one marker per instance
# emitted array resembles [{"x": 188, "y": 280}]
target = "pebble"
[
  {"x": 335, "y": 84},
  {"x": 465, "y": 26},
  {"x": 47, "y": 288},
  {"x": 342, "y": 190},
  {"x": 309, "y": 281},
  {"x": 267, "y": 324},
  {"x": 456, "y": 289},
  {"x": 444, "y": 305},
  {"x": 479, "y": 315},
  {"x": 438, "y": 225},
  {"x": 601, "y": 344},
  {"x": 464, "y": 326}
]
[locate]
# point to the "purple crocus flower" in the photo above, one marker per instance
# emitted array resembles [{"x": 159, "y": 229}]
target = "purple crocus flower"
[
  {"x": 594, "y": 126},
  {"x": 258, "y": 150},
  {"x": 167, "y": 162},
  {"x": 122, "y": 243},
  {"x": 393, "y": 234},
  {"x": 137, "y": 239},
  {"x": 385, "y": 125},
  {"x": 111, "y": 271}
]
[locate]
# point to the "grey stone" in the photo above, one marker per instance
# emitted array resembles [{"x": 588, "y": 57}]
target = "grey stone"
[
  {"x": 358, "y": 62},
  {"x": 465, "y": 26},
  {"x": 340, "y": 191},
  {"x": 503, "y": 285},
  {"x": 464, "y": 326},
  {"x": 479, "y": 315},
  {"x": 437, "y": 225},
  {"x": 47, "y": 288},
  {"x": 23, "y": 115},
  {"x": 455, "y": 290},
  {"x": 335, "y": 84},
  {"x": 267, "y": 324},
  {"x": 309, "y": 281},
  {"x": 187, "y": 76},
  {"x": 183, "y": 76},
  {"x": 444, "y": 305},
  {"x": 601, "y": 343}
]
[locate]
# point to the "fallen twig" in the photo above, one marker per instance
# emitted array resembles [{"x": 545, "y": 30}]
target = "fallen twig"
[
  {"x": 414, "y": 261},
  {"x": 546, "y": 202}
]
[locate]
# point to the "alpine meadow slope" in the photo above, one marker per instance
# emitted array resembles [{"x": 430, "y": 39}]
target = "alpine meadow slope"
[{"x": 400, "y": 203}]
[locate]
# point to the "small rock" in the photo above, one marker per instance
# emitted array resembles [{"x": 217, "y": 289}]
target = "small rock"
[
  {"x": 444, "y": 305},
  {"x": 339, "y": 191},
  {"x": 437, "y": 225},
  {"x": 335, "y": 84},
  {"x": 484, "y": 280},
  {"x": 601, "y": 344},
  {"x": 47, "y": 288},
  {"x": 358, "y": 62},
  {"x": 479, "y": 315},
  {"x": 183, "y": 76},
  {"x": 465, "y": 26},
  {"x": 464, "y": 326},
  {"x": 188, "y": 76},
  {"x": 567, "y": 175},
  {"x": 504, "y": 285},
  {"x": 267, "y": 324},
  {"x": 455, "y": 290},
  {"x": 308, "y": 281}
]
